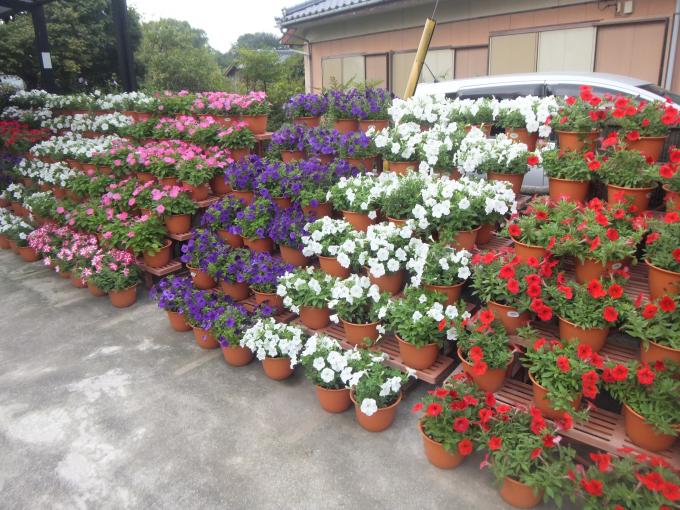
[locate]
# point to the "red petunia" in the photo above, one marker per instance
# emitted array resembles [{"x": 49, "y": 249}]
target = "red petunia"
[
  {"x": 653, "y": 481},
  {"x": 563, "y": 364},
  {"x": 596, "y": 290},
  {"x": 633, "y": 136},
  {"x": 434, "y": 409},
  {"x": 667, "y": 304},
  {"x": 612, "y": 234},
  {"x": 441, "y": 392},
  {"x": 566, "y": 422},
  {"x": 602, "y": 460},
  {"x": 417, "y": 407},
  {"x": 475, "y": 353},
  {"x": 549, "y": 441},
  {"x": 584, "y": 351},
  {"x": 539, "y": 343},
  {"x": 671, "y": 217},
  {"x": 532, "y": 160},
  {"x": 652, "y": 237},
  {"x": 610, "y": 314},
  {"x": 619, "y": 372},
  {"x": 536, "y": 453},
  {"x": 534, "y": 290},
  {"x": 506, "y": 272},
  {"x": 486, "y": 316},
  {"x": 461, "y": 424},
  {"x": 649, "y": 311},
  {"x": 541, "y": 215},
  {"x": 615, "y": 291},
  {"x": 479, "y": 368},
  {"x": 513, "y": 286},
  {"x": 670, "y": 491},
  {"x": 465, "y": 447},
  {"x": 676, "y": 254},
  {"x": 514, "y": 230},
  {"x": 594, "y": 165},
  {"x": 667, "y": 171},
  {"x": 592, "y": 487},
  {"x": 645, "y": 376},
  {"x": 495, "y": 443}
]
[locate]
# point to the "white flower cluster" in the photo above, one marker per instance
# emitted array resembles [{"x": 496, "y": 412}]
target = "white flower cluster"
[
  {"x": 469, "y": 108},
  {"x": 127, "y": 101},
  {"x": 46, "y": 173},
  {"x": 357, "y": 289},
  {"x": 336, "y": 363},
  {"x": 427, "y": 109},
  {"x": 399, "y": 143},
  {"x": 324, "y": 234},
  {"x": 293, "y": 288},
  {"x": 388, "y": 248},
  {"x": 33, "y": 98},
  {"x": 438, "y": 147},
  {"x": 271, "y": 339},
  {"x": 535, "y": 110},
  {"x": 81, "y": 123},
  {"x": 476, "y": 149},
  {"x": 453, "y": 260},
  {"x": 75, "y": 146},
  {"x": 358, "y": 192},
  {"x": 33, "y": 116},
  {"x": 11, "y": 223}
]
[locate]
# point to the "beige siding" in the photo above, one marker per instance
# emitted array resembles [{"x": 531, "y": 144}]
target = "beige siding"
[
  {"x": 513, "y": 53},
  {"x": 401, "y": 68},
  {"x": 471, "y": 62},
  {"x": 376, "y": 70},
  {"x": 566, "y": 50}
]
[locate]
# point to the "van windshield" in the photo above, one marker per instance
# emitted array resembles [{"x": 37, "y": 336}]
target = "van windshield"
[{"x": 655, "y": 89}]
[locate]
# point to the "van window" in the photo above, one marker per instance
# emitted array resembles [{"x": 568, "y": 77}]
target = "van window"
[
  {"x": 501, "y": 91},
  {"x": 573, "y": 89}
]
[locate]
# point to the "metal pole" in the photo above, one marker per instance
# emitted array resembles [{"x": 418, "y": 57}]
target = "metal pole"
[
  {"x": 126, "y": 63},
  {"x": 43, "y": 45},
  {"x": 418, "y": 62}
]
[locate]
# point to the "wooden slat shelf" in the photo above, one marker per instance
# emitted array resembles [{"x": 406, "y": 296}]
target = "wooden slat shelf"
[
  {"x": 203, "y": 204},
  {"x": 181, "y": 237},
  {"x": 171, "y": 267},
  {"x": 636, "y": 284},
  {"x": 497, "y": 242}
]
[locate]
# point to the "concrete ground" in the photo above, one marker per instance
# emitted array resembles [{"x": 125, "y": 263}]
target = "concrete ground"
[{"x": 111, "y": 409}]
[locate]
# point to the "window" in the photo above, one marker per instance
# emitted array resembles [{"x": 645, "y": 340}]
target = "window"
[
  {"x": 513, "y": 53},
  {"x": 573, "y": 89},
  {"x": 502, "y": 91},
  {"x": 572, "y": 49},
  {"x": 438, "y": 66},
  {"x": 342, "y": 70},
  {"x": 376, "y": 70},
  {"x": 401, "y": 68}
]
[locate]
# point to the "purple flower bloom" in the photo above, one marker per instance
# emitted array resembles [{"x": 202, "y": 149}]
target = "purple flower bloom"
[
  {"x": 288, "y": 227},
  {"x": 306, "y": 105},
  {"x": 172, "y": 293},
  {"x": 288, "y": 138}
]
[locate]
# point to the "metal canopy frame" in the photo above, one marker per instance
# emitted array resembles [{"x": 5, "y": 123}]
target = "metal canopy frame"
[{"x": 10, "y": 8}]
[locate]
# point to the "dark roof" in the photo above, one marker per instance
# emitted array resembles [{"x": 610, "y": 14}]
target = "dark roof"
[
  {"x": 312, "y": 9},
  {"x": 9, "y": 8}
]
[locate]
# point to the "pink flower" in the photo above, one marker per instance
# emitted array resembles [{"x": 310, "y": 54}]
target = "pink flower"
[
  {"x": 160, "y": 208},
  {"x": 60, "y": 210},
  {"x": 131, "y": 202},
  {"x": 90, "y": 211},
  {"x": 122, "y": 216},
  {"x": 131, "y": 235},
  {"x": 107, "y": 235}
]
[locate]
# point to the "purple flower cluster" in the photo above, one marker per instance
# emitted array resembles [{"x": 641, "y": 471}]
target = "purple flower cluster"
[
  {"x": 374, "y": 104},
  {"x": 288, "y": 138},
  {"x": 221, "y": 215},
  {"x": 241, "y": 174},
  {"x": 255, "y": 219},
  {"x": 344, "y": 104},
  {"x": 288, "y": 227},
  {"x": 234, "y": 265},
  {"x": 356, "y": 145},
  {"x": 306, "y": 105},
  {"x": 275, "y": 179},
  {"x": 203, "y": 308},
  {"x": 172, "y": 293},
  {"x": 321, "y": 141},
  {"x": 266, "y": 271},
  {"x": 203, "y": 250}
]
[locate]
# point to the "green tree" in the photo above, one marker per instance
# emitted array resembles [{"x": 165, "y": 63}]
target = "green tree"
[
  {"x": 82, "y": 41},
  {"x": 258, "y": 68},
  {"x": 175, "y": 56}
]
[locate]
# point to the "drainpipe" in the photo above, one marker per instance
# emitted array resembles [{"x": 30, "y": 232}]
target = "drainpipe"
[{"x": 674, "y": 46}]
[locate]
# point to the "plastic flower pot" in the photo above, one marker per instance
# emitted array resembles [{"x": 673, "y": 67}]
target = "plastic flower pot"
[
  {"x": 219, "y": 186},
  {"x": 643, "y": 434},
  {"x": 293, "y": 256},
  {"x": 28, "y": 254},
  {"x": 331, "y": 266},
  {"x": 64, "y": 274},
  {"x": 397, "y": 222},
  {"x": 160, "y": 258},
  {"x": 378, "y": 421},
  {"x": 200, "y": 192},
  {"x": 362, "y": 164},
  {"x": 492, "y": 380},
  {"x": 651, "y": 146},
  {"x": 485, "y": 233},
  {"x": 177, "y": 321},
  {"x": 465, "y": 239},
  {"x": 356, "y": 334},
  {"x": 521, "y": 135},
  {"x": 178, "y": 223},
  {"x": 321, "y": 210},
  {"x": 204, "y": 339},
  {"x": 418, "y": 358},
  {"x": 577, "y": 141},
  {"x": 200, "y": 279},
  {"x": 307, "y": 121},
  {"x": 314, "y": 318},
  {"x": 277, "y": 368},
  {"x": 238, "y": 154},
  {"x": 243, "y": 195},
  {"x": 452, "y": 292},
  {"x": 591, "y": 269},
  {"x": 392, "y": 282},
  {"x": 657, "y": 352},
  {"x": 402, "y": 167},
  {"x": 78, "y": 282},
  {"x": 233, "y": 240},
  {"x": 524, "y": 251},
  {"x": 594, "y": 337},
  {"x": 237, "y": 356},
  {"x": 333, "y": 400},
  {"x": 282, "y": 202},
  {"x": 291, "y": 156},
  {"x": 94, "y": 290},
  {"x": 346, "y": 125},
  {"x": 638, "y": 197},
  {"x": 377, "y": 124},
  {"x": 437, "y": 454},
  {"x": 265, "y": 245},
  {"x": 515, "y": 180},
  {"x": 238, "y": 291},
  {"x": 575, "y": 191},
  {"x": 256, "y": 123},
  {"x": 542, "y": 402},
  {"x": 509, "y": 316},
  {"x": 359, "y": 221},
  {"x": 169, "y": 181},
  {"x": 662, "y": 282},
  {"x": 145, "y": 176},
  {"x": 123, "y": 298},
  {"x": 271, "y": 299},
  {"x": 672, "y": 199},
  {"x": 520, "y": 495}
]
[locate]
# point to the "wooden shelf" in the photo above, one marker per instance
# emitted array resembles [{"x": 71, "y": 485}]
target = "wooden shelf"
[
  {"x": 170, "y": 267},
  {"x": 202, "y": 204},
  {"x": 181, "y": 237},
  {"x": 263, "y": 136},
  {"x": 636, "y": 284},
  {"x": 497, "y": 242},
  {"x": 285, "y": 316}
]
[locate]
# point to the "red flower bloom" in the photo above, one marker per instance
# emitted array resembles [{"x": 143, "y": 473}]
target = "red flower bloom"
[
  {"x": 567, "y": 291},
  {"x": 506, "y": 272},
  {"x": 475, "y": 353},
  {"x": 479, "y": 368},
  {"x": 541, "y": 215},
  {"x": 441, "y": 392},
  {"x": 490, "y": 399},
  {"x": 667, "y": 304},
  {"x": 653, "y": 481},
  {"x": 570, "y": 100},
  {"x": 667, "y": 171},
  {"x": 539, "y": 343},
  {"x": 652, "y": 237},
  {"x": 584, "y": 351},
  {"x": 633, "y": 136},
  {"x": 603, "y": 460},
  {"x": 592, "y": 487},
  {"x": 566, "y": 422},
  {"x": 610, "y": 314},
  {"x": 532, "y": 160},
  {"x": 670, "y": 491},
  {"x": 417, "y": 407},
  {"x": 461, "y": 424},
  {"x": 619, "y": 372},
  {"x": 594, "y": 165},
  {"x": 534, "y": 290},
  {"x": 650, "y": 311},
  {"x": 548, "y": 441},
  {"x": 671, "y": 217},
  {"x": 495, "y": 443},
  {"x": 536, "y": 453},
  {"x": 595, "y": 289},
  {"x": 645, "y": 376},
  {"x": 465, "y": 447},
  {"x": 434, "y": 409},
  {"x": 612, "y": 234},
  {"x": 676, "y": 254},
  {"x": 513, "y": 286},
  {"x": 514, "y": 230},
  {"x": 563, "y": 364},
  {"x": 486, "y": 316},
  {"x": 615, "y": 291}
]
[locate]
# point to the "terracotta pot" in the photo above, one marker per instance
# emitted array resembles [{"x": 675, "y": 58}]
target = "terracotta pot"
[
  {"x": 235, "y": 290},
  {"x": 178, "y": 223},
  {"x": 595, "y": 337},
  {"x": 576, "y": 191},
  {"x": 590, "y": 269},
  {"x": 638, "y": 197},
  {"x": 177, "y": 321},
  {"x": 325, "y": 159},
  {"x": 520, "y": 495},
  {"x": 657, "y": 352},
  {"x": 271, "y": 299},
  {"x": 200, "y": 279},
  {"x": 244, "y": 196},
  {"x": 402, "y": 167},
  {"x": 78, "y": 282},
  {"x": 277, "y": 368},
  {"x": 485, "y": 233},
  {"x": 160, "y": 258},
  {"x": 356, "y": 334},
  {"x": 59, "y": 193},
  {"x": 94, "y": 290},
  {"x": 320, "y": 211},
  {"x": 4, "y": 242},
  {"x": 198, "y": 193},
  {"x": 662, "y": 282},
  {"x": 671, "y": 198},
  {"x": 359, "y": 221},
  {"x": 378, "y": 124},
  {"x": 219, "y": 186},
  {"x": 649, "y": 145},
  {"x": 238, "y": 154},
  {"x": 542, "y": 402},
  {"x": 333, "y": 401},
  {"x": 362, "y": 164},
  {"x": 452, "y": 292},
  {"x": 123, "y": 298},
  {"x": 5, "y": 203},
  {"x": 437, "y": 454},
  {"x": 419, "y": 358},
  {"x": 233, "y": 240},
  {"x": 265, "y": 245},
  {"x": 509, "y": 316},
  {"x": 346, "y": 125},
  {"x": 491, "y": 380},
  {"x": 291, "y": 156},
  {"x": 64, "y": 274},
  {"x": 397, "y": 222},
  {"x": 28, "y": 254},
  {"x": 465, "y": 239},
  {"x": 378, "y": 421},
  {"x": 256, "y": 123},
  {"x": 311, "y": 122},
  {"x": 204, "y": 339},
  {"x": 145, "y": 176},
  {"x": 314, "y": 318},
  {"x": 392, "y": 283},
  {"x": 293, "y": 256},
  {"x": 104, "y": 169},
  {"x": 282, "y": 202},
  {"x": 521, "y": 135},
  {"x": 515, "y": 179},
  {"x": 237, "y": 356},
  {"x": 169, "y": 181},
  {"x": 643, "y": 434},
  {"x": 331, "y": 266},
  {"x": 577, "y": 141},
  {"x": 524, "y": 251}
]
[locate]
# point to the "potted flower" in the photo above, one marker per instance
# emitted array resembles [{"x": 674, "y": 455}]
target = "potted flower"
[
  {"x": 288, "y": 142},
  {"x": 176, "y": 208},
  {"x": 416, "y": 320},
  {"x": 358, "y": 149},
  {"x": 630, "y": 179},
  {"x": 400, "y": 199},
  {"x": 569, "y": 173},
  {"x": 360, "y": 306},
  {"x": 662, "y": 256},
  {"x": 264, "y": 276},
  {"x": 484, "y": 349},
  {"x": 241, "y": 174},
  {"x": 446, "y": 271},
  {"x": 221, "y": 217},
  {"x": 254, "y": 223},
  {"x": 306, "y": 109},
  {"x": 342, "y": 109},
  {"x": 288, "y": 230},
  {"x": 117, "y": 275},
  {"x": 254, "y": 110},
  {"x": 171, "y": 292},
  {"x": 657, "y": 326},
  {"x": 505, "y": 160},
  {"x": 144, "y": 235},
  {"x": 307, "y": 292},
  {"x": 578, "y": 120},
  {"x": 275, "y": 181},
  {"x": 200, "y": 254},
  {"x": 321, "y": 143},
  {"x": 233, "y": 269},
  {"x": 202, "y": 309},
  {"x": 374, "y": 104},
  {"x": 228, "y": 329},
  {"x": 334, "y": 242},
  {"x": 238, "y": 139},
  {"x": 498, "y": 201},
  {"x": 277, "y": 345},
  {"x": 357, "y": 198},
  {"x": 195, "y": 174},
  {"x": 649, "y": 394},
  {"x": 526, "y": 118},
  {"x": 670, "y": 177},
  {"x": 450, "y": 421},
  {"x": 399, "y": 146},
  {"x": 646, "y": 125}
]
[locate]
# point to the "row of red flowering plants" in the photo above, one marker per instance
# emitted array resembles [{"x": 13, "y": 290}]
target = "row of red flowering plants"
[{"x": 530, "y": 459}]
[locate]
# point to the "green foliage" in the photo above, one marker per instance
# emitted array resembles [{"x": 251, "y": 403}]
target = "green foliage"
[
  {"x": 661, "y": 245},
  {"x": 399, "y": 202},
  {"x": 358, "y": 301},
  {"x": 628, "y": 169},
  {"x": 380, "y": 385},
  {"x": 305, "y": 287},
  {"x": 445, "y": 266},
  {"x": 658, "y": 321},
  {"x": 568, "y": 165},
  {"x": 416, "y": 318}
]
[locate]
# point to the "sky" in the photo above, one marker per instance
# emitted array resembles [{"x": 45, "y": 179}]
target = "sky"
[{"x": 222, "y": 20}]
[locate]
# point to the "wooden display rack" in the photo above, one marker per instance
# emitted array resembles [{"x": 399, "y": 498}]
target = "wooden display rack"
[
  {"x": 636, "y": 284},
  {"x": 149, "y": 272},
  {"x": 284, "y": 316}
]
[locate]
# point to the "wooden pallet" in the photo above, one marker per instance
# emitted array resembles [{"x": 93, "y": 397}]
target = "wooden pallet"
[
  {"x": 284, "y": 316},
  {"x": 181, "y": 237},
  {"x": 203, "y": 204},
  {"x": 149, "y": 272},
  {"x": 497, "y": 242}
]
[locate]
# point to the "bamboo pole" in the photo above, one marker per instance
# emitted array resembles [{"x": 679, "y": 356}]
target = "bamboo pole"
[{"x": 417, "y": 67}]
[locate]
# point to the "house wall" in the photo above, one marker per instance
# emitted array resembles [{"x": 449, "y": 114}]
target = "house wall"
[{"x": 636, "y": 45}]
